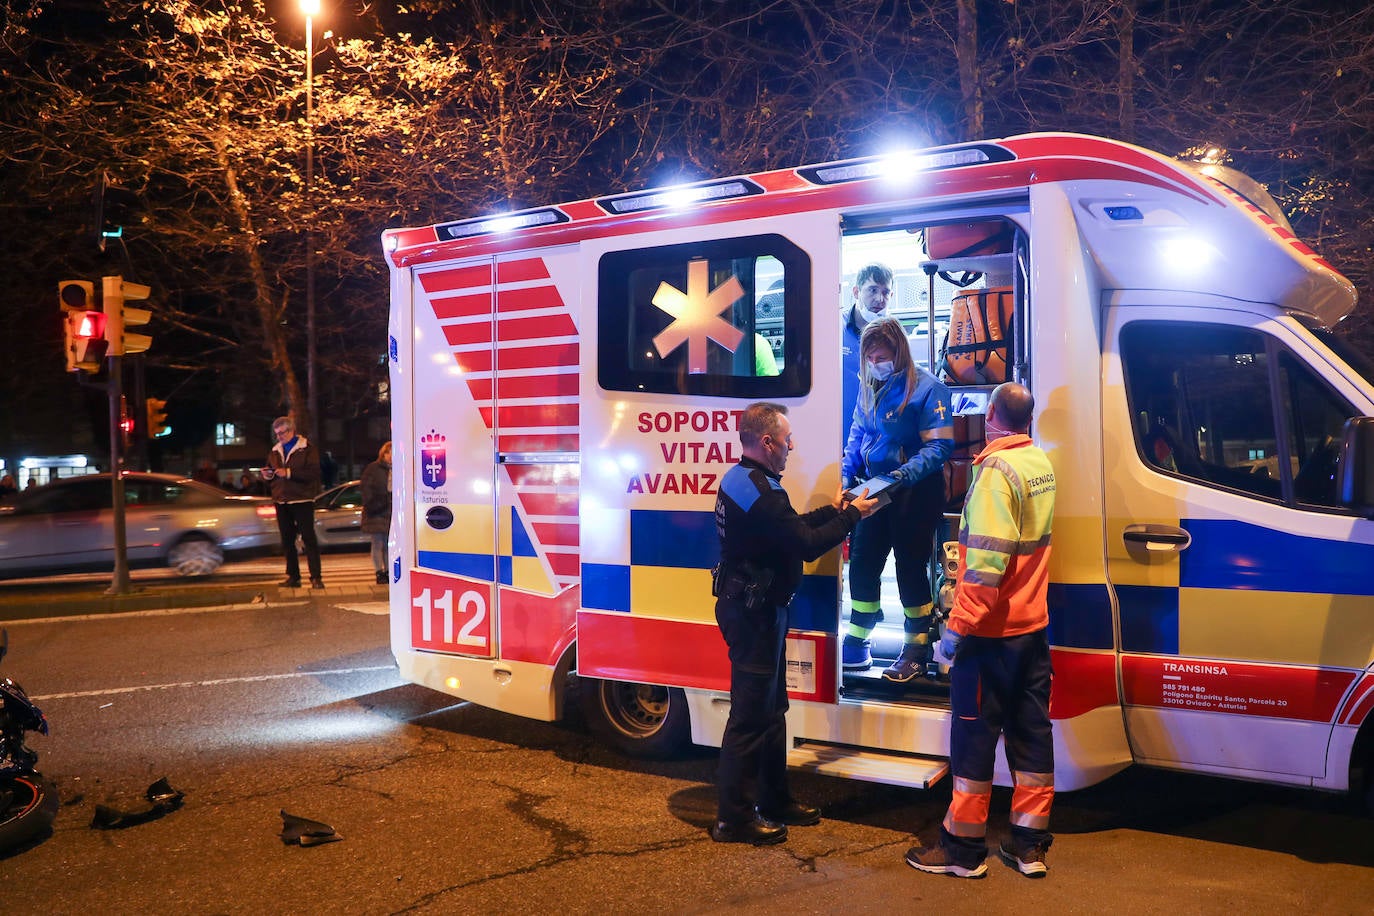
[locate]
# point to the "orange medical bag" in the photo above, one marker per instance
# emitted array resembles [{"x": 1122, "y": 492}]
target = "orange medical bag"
[
  {"x": 976, "y": 347},
  {"x": 964, "y": 240}
]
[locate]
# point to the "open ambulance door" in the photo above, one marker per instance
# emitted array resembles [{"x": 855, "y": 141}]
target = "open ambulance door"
[
  {"x": 1240, "y": 582},
  {"x": 688, "y": 327}
]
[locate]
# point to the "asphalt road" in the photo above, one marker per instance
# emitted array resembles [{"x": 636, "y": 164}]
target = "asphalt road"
[{"x": 447, "y": 808}]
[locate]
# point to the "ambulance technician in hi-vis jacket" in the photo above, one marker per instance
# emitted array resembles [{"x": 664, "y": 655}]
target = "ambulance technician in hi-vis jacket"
[{"x": 996, "y": 636}]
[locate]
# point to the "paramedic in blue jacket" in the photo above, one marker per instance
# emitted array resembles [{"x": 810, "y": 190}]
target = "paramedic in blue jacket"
[
  {"x": 872, "y": 290},
  {"x": 902, "y": 429},
  {"x": 763, "y": 542}
]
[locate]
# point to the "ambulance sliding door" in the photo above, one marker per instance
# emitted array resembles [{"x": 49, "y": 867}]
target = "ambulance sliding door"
[
  {"x": 692, "y": 326},
  {"x": 1241, "y": 584}
]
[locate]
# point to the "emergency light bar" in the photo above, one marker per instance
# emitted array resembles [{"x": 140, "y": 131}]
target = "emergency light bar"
[
  {"x": 672, "y": 198},
  {"x": 491, "y": 225},
  {"x": 905, "y": 164}
]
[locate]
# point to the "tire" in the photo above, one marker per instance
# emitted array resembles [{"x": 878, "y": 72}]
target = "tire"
[
  {"x": 28, "y": 805},
  {"x": 638, "y": 720},
  {"x": 195, "y": 556}
]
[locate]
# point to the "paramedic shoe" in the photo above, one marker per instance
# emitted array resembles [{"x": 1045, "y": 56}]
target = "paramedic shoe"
[
  {"x": 793, "y": 814},
  {"x": 1030, "y": 863},
  {"x": 854, "y": 654},
  {"x": 935, "y": 860},
  {"x": 758, "y": 832},
  {"x": 910, "y": 664}
]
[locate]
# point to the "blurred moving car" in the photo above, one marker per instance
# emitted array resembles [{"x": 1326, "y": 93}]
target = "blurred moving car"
[
  {"x": 339, "y": 518},
  {"x": 168, "y": 521}
]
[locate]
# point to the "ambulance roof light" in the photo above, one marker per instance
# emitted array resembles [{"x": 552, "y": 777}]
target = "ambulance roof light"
[
  {"x": 506, "y": 222},
  {"x": 679, "y": 196},
  {"x": 905, "y": 164}
]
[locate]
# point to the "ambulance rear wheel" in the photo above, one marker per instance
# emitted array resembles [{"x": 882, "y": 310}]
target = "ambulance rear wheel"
[{"x": 638, "y": 720}]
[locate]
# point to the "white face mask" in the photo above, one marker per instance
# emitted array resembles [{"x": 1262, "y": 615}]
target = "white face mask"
[
  {"x": 868, "y": 316},
  {"x": 881, "y": 371},
  {"x": 993, "y": 431}
]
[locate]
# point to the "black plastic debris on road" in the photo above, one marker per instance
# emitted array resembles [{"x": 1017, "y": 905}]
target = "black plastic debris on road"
[
  {"x": 302, "y": 831},
  {"x": 162, "y": 799}
]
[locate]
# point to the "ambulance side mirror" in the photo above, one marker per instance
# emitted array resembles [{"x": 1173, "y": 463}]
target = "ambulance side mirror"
[{"x": 1355, "y": 467}]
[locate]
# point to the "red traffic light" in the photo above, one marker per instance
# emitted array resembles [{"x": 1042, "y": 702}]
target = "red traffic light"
[{"x": 91, "y": 326}]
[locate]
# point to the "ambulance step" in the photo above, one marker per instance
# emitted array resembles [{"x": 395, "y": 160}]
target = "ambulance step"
[{"x": 868, "y": 765}]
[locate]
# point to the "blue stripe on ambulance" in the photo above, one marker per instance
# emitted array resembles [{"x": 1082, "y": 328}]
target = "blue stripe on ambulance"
[
  {"x": 479, "y": 565},
  {"x": 1080, "y": 616},
  {"x": 1227, "y": 555},
  {"x": 605, "y": 587},
  {"x": 1149, "y": 618},
  {"x": 687, "y": 540},
  {"x": 1237, "y": 555}
]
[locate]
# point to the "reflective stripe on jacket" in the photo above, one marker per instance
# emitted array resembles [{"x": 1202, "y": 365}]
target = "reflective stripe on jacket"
[{"x": 1004, "y": 542}]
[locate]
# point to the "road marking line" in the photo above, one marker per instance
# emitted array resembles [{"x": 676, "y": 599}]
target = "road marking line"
[{"x": 215, "y": 682}]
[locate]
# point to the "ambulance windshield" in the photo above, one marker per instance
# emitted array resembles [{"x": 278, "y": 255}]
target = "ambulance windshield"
[{"x": 1354, "y": 358}]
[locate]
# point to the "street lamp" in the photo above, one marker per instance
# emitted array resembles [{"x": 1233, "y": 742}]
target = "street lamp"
[{"x": 311, "y": 9}]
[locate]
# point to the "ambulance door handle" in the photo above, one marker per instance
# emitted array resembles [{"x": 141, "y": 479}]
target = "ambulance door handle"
[{"x": 1157, "y": 537}]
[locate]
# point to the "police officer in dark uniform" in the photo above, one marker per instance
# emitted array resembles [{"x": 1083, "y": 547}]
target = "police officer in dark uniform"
[{"x": 763, "y": 542}]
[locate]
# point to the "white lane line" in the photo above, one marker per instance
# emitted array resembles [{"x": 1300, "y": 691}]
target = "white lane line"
[
  {"x": 215, "y": 682},
  {"x": 158, "y": 612}
]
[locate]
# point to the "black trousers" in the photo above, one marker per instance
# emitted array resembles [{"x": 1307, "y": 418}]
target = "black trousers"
[
  {"x": 294, "y": 519},
  {"x": 753, "y": 751},
  {"x": 905, "y": 529},
  {"x": 1000, "y": 687}
]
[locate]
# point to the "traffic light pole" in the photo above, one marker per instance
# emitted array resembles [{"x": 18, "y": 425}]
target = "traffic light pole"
[{"x": 119, "y": 584}]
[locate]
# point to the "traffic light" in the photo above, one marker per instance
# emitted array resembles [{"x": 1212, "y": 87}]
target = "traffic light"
[
  {"x": 113, "y": 208},
  {"x": 119, "y": 317},
  {"x": 157, "y": 418},
  {"x": 83, "y": 326}
]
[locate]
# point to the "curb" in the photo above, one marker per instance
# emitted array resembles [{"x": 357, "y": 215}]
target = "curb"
[{"x": 73, "y": 604}]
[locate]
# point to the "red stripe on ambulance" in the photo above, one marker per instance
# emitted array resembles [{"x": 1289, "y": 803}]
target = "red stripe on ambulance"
[
  {"x": 1360, "y": 703},
  {"x": 1241, "y": 688}
]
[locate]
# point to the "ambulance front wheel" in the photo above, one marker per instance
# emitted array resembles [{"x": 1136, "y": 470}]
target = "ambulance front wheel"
[{"x": 639, "y": 720}]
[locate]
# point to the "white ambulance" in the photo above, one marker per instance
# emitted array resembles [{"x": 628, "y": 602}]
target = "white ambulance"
[{"x": 566, "y": 382}]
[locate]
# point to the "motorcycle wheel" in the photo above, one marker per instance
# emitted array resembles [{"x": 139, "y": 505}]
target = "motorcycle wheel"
[{"x": 28, "y": 805}]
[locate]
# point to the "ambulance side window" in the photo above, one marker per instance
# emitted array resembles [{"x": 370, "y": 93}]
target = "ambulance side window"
[
  {"x": 1317, "y": 422},
  {"x": 1202, "y": 398},
  {"x": 723, "y": 317}
]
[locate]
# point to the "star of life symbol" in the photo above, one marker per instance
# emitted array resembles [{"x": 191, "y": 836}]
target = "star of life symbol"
[
  {"x": 433, "y": 459},
  {"x": 696, "y": 315}
]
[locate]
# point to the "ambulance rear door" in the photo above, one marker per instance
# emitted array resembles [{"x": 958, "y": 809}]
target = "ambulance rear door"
[{"x": 495, "y": 394}]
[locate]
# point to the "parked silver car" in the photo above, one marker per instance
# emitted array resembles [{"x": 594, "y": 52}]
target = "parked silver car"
[
  {"x": 339, "y": 517},
  {"x": 168, "y": 521}
]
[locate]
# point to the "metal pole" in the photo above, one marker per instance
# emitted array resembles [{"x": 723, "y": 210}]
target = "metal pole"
[
  {"x": 312, "y": 402},
  {"x": 119, "y": 583}
]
